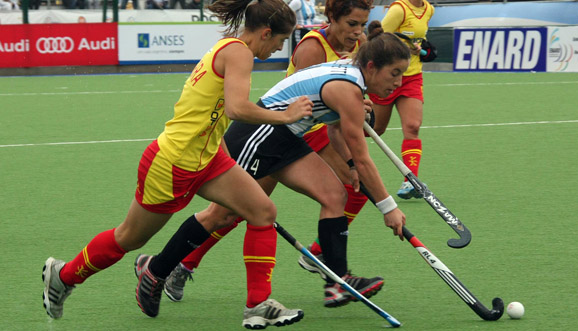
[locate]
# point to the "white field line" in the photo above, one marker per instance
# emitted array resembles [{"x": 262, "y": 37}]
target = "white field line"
[
  {"x": 258, "y": 89},
  {"x": 389, "y": 129}
]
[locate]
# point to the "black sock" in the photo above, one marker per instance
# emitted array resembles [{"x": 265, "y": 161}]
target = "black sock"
[
  {"x": 333, "y": 240},
  {"x": 190, "y": 235}
]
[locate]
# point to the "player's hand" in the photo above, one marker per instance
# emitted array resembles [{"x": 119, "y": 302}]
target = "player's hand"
[
  {"x": 303, "y": 107},
  {"x": 354, "y": 178},
  {"x": 416, "y": 49},
  {"x": 395, "y": 220},
  {"x": 367, "y": 105},
  {"x": 369, "y": 114}
]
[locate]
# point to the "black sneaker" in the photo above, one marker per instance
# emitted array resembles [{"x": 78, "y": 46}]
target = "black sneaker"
[
  {"x": 175, "y": 283},
  {"x": 335, "y": 296},
  {"x": 149, "y": 288}
]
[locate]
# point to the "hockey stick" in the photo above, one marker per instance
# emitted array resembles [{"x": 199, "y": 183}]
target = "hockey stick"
[
  {"x": 447, "y": 275},
  {"x": 429, "y": 197},
  {"x": 400, "y": 35},
  {"x": 392, "y": 320}
]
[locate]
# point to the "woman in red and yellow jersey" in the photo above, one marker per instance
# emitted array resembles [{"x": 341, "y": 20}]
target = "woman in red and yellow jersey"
[
  {"x": 188, "y": 158},
  {"x": 410, "y": 17}
]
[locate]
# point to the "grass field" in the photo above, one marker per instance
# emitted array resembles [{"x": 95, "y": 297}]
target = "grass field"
[{"x": 499, "y": 151}]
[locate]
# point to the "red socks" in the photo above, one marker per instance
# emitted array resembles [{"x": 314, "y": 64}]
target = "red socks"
[
  {"x": 100, "y": 253},
  {"x": 355, "y": 201},
  {"x": 259, "y": 252},
  {"x": 411, "y": 154},
  {"x": 193, "y": 260}
]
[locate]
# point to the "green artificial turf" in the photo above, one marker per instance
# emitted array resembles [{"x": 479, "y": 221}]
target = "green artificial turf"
[{"x": 498, "y": 149}]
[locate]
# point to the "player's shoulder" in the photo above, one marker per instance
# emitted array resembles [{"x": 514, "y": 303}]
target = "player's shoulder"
[
  {"x": 311, "y": 49},
  {"x": 397, "y": 8}
]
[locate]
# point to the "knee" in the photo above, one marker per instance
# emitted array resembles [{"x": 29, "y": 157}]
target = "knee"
[
  {"x": 411, "y": 129},
  {"x": 265, "y": 216},
  {"x": 269, "y": 213},
  {"x": 335, "y": 199}
]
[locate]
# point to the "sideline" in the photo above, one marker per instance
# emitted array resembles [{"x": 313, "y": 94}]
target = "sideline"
[{"x": 423, "y": 127}]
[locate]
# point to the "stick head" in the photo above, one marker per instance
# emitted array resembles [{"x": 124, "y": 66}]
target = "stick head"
[
  {"x": 497, "y": 310},
  {"x": 465, "y": 238}
]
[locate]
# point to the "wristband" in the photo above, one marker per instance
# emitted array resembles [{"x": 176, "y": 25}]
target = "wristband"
[
  {"x": 350, "y": 163},
  {"x": 386, "y": 205}
]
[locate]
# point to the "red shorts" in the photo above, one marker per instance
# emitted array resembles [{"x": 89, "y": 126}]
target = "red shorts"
[
  {"x": 411, "y": 87},
  {"x": 317, "y": 139},
  {"x": 164, "y": 188}
]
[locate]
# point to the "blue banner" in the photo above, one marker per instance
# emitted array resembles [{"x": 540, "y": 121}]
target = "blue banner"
[{"x": 500, "y": 49}]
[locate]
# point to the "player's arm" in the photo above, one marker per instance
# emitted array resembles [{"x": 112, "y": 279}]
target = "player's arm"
[
  {"x": 235, "y": 63},
  {"x": 309, "y": 52},
  {"x": 393, "y": 18},
  {"x": 347, "y": 100},
  {"x": 338, "y": 143}
]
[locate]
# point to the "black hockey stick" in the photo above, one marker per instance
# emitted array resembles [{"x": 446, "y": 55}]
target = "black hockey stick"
[
  {"x": 446, "y": 274},
  {"x": 392, "y": 320},
  {"x": 429, "y": 197},
  {"x": 400, "y": 35}
]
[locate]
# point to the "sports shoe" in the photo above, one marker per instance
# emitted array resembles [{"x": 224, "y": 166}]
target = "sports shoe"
[
  {"x": 270, "y": 312},
  {"x": 335, "y": 296},
  {"x": 175, "y": 283},
  {"x": 55, "y": 291},
  {"x": 407, "y": 191},
  {"x": 308, "y": 264},
  {"x": 149, "y": 288}
]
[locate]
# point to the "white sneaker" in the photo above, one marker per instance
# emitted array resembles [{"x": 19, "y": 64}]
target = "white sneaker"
[
  {"x": 270, "y": 312},
  {"x": 55, "y": 291},
  {"x": 308, "y": 264}
]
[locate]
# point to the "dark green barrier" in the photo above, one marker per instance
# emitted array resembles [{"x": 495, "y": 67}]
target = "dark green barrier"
[{"x": 443, "y": 39}]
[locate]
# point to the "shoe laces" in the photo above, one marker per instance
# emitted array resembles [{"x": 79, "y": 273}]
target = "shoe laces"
[
  {"x": 182, "y": 275},
  {"x": 353, "y": 280}
]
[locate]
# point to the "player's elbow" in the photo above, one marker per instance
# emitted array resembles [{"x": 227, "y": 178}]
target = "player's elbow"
[{"x": 234, "y": 113}]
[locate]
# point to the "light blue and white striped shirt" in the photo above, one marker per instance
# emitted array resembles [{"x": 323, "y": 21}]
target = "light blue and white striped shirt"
[{"x": 309, "y": 82}]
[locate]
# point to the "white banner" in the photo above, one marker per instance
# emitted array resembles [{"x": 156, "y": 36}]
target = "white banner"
[
  {"x": 562, "y": 49},
  {"x": 95, "y": 16},
  {"x": 171, "y": 43}
]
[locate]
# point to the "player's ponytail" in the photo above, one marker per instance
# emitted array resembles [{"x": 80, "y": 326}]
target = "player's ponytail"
[
  {"x": 383, "y": 49},
  {"x": 373, "y": 29},
  {"x": 275, "y": 14}
]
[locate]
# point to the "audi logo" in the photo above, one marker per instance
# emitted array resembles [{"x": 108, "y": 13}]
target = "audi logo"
[{"x": 53, "y": 45}]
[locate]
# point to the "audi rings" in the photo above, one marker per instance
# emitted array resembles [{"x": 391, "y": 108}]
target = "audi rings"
[{"x": 52, "y": 45}]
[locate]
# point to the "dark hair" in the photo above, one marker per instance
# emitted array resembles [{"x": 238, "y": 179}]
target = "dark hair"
[
  {"x": 274, "y": 14},
  {"x": 374, "y": 28},
  {"x": 383, "y": 49},
  {"x": 338, "y": 8}
]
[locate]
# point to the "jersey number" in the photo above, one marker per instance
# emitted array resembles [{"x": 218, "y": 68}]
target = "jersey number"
[
  {"x": 198, "y": 74},
  {"x": 255, "y": 167}
]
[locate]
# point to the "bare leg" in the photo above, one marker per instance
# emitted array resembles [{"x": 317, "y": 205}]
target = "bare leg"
[
  {"x": 382, "y": 117},
  {"x": 138, "y": 227},
  {"x": 411, "y": 114}
]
